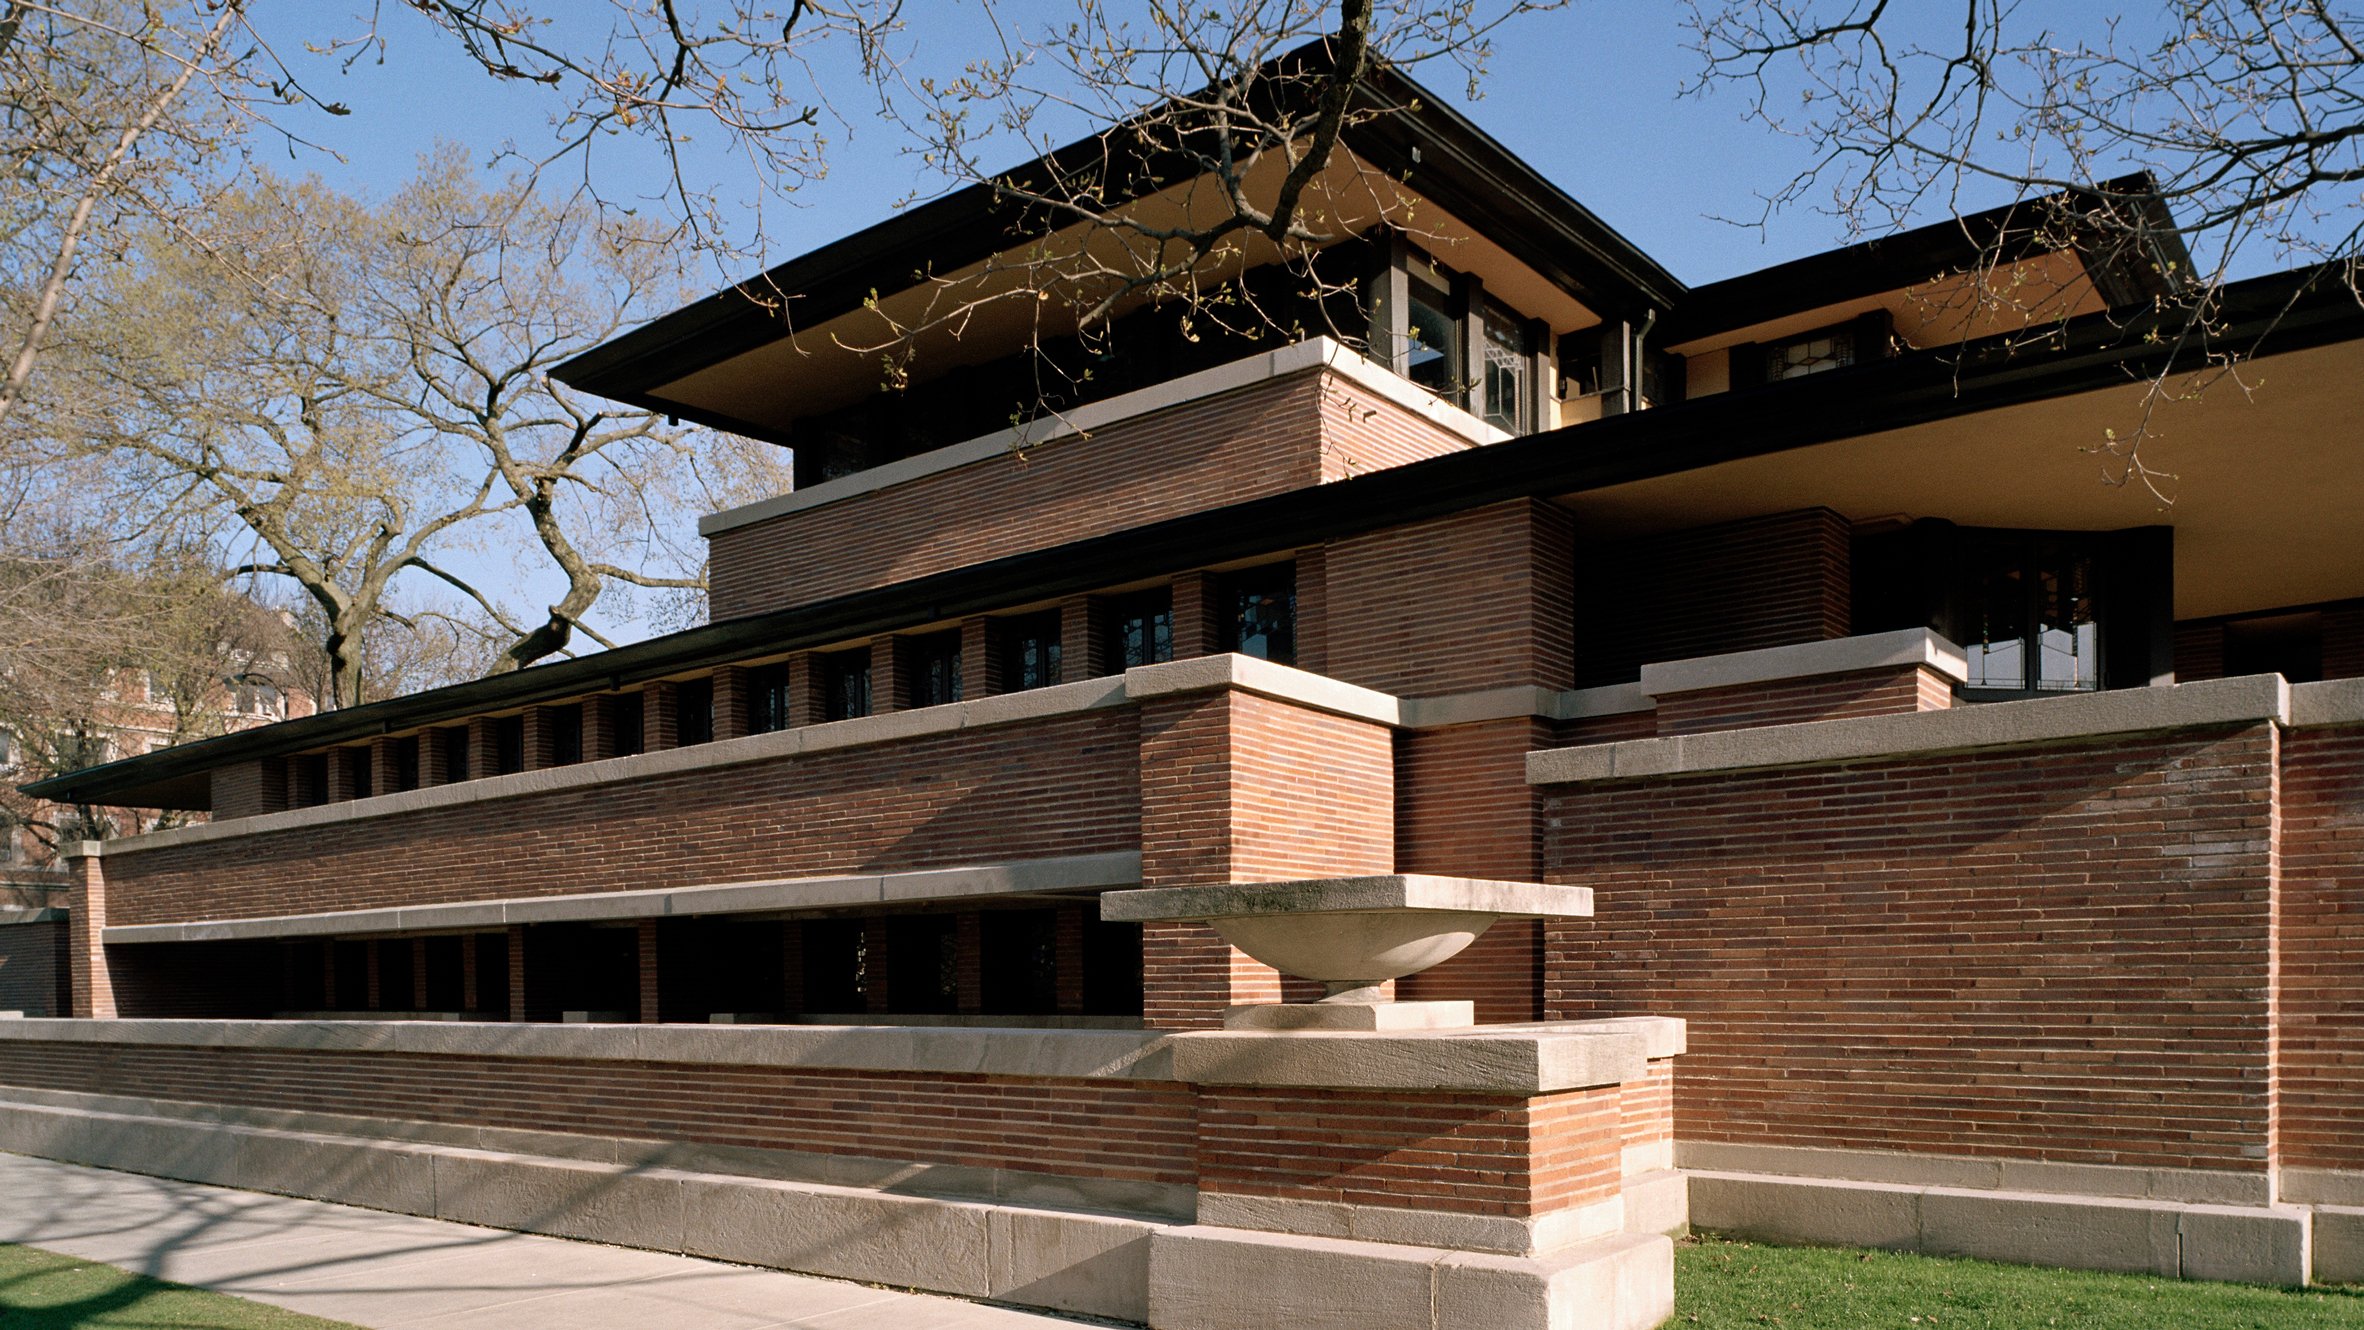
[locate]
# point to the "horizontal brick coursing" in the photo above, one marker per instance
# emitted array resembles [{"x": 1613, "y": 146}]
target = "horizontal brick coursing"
[
  {"x": 1465, "y": 1154},
  {"x": 2060, "y": 953},
  {"x": 1878, "y": 692},
  {"x": 1464, "y": 809},
  {"x": 1064, "y": 785},
  {"x": 1481, "y": 599},
  {"x": 33, "y": 969},
  {"x": 1261, "y": 440},
  {"x": 1737, "y": 586},
  {"x": 1134, "y": 1132},
  {"x": 2321, "y": 1051}
]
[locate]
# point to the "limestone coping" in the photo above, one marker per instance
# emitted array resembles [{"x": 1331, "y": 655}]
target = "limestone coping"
[
  {"x": 1520, "y": 1061},
  {"x": 2251, "y": 699},
  {"x": 1399, "y": 892},
  {"x": 1068, "y": 873},
  {"x": 1841, "y": 655},
  {"x": 1061, "y": 1054},
  {"x": 2331, "y": 702},
  {"x": 1298, "y": 358}
]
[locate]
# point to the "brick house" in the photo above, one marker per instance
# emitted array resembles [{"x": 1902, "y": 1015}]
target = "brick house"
[{"x": 1996, "y": 832}]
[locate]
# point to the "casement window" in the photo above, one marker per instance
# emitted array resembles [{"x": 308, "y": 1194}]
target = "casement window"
[
  {"x": 1141, "y": 629},
  {"x": 1439, "y": 329},
  {"x": 1018, "y": 972},
  {"x": 360, "y": 770},
  {"x": 1262, "y": 617},
  {"x": 922, "y": 965},
  {"x": 836, "y": 964},
  {"x": 2035, "y": 612},
  {"x": 455, "y": 753},
  {"x": 406, "y": 763},
  {"x": 566, "y": 734},
  {"x": 935, "y": 669},
  {"x": 629, "y": 714},
  {"x": 845, "y": 684},
  {"x": 1865, "y": 338},
  {"x": 1030, "y": 651},
  {"x": 695, "y": 699},
  {"x": 309, "y": 780},
  {"x": 767, "y": 698}
]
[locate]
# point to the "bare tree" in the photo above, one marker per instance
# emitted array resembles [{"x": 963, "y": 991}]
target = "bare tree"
[
  {"x": 360, "y": 401},
  {"x": 2228, "y": 129}
]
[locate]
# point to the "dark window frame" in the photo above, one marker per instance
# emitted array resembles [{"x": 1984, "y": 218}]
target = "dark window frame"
[
  {"x": 1032, "y": 650},
  {"x": 1153, "y": 610},
  {"x": 934, "y": 675},
  {"x": 1275, "y": 585},
  {"x": 848, "y": 688},
  {"x": 694, "y": 699},
  {"x": 767, "y": 698}
]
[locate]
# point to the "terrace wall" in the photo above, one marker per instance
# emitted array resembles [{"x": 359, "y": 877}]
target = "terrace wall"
[
  {"x": 34, "y": 967},
  {"x": 2320, "y": 1056}
]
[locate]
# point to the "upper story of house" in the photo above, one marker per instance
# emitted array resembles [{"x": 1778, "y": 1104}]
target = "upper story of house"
[{"x": 1512, "y": 452}]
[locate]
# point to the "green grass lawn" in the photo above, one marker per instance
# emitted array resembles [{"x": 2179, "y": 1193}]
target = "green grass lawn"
[
  {"x": 42, "y": 1290},
  {"x": 1727, "y": 1285}
]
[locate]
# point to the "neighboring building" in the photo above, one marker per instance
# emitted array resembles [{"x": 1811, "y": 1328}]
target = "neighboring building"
[{"x": 1997, "y": 831}]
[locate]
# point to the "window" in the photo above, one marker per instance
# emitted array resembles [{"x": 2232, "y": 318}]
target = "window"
[
  {"x": 310, "y": 779},
  {"x": 364, "y": 775},
  {"x": 1141, "y": 629},
  {"x": 845, "y": 683},
  {"x": 935, "y": 669},
  {"x": 922, "y": 957},
  {"x": 1263, "y": 618},
  {"x": 696, "y": 699},
  {"x": 767, "y": 698},
  {"x": 629, "y": 711},
  {"x": 12, "y": 850},
  {"x": 455, "y": 753},
  {"x": 7, "y": 751},
  {"x": 1510, "y": 371},
  {"x": 254, "y": 697},
  {"x": 836, "y": 965},
  {"x": 1030, "y": 651},
  {"x": 2031, "y": 613},
  {"x": 1837, "y": 346},
  {"x": 1018, "y": 974},
  {"x": 406, "y": 763},
  {"x": 1432, "y": 335},
  {"x": 566, "y": 734},
  {"x": 508, "y": 745}
]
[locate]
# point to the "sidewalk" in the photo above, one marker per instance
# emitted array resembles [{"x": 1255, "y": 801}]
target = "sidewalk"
[{"x": 383, "y": 1270}]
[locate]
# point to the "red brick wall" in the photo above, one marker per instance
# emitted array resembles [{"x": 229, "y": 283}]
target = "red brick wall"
[
  {"x": 1790, "y": 701},
  {"x": 1480, "y": 599},
  {"x": 33, "y": 969},
  {"x": 1265, "y": 439},
  {"x": 1064, "y": 785},
  {"x": 1467, "y": 1154},
  {"x": 2321, "y": 1053},
  {"x": 244, "y": 789},
  {"x": 1646, "y": 1107},
  {"x": 1737, "y": 586},
  {"x": 1464, "y": 809},
  {"x": 1138, "y": 1131},
  {"x": 2061, "y": 952},
  {"x": 1241, "y": 788}
]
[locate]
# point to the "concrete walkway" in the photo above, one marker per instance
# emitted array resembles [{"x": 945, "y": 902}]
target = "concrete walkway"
[{"x": 383, "y": 1270}]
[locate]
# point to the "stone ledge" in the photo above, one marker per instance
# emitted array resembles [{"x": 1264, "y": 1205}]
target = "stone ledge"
[
  {"x": 1284, "y": 683},
  {"x": 2339, "y": 1245},
  {"x": 1089, "y": 1263},
  {"x": 1301, "y": 357},
  {"x": 1509, "y": 1235},
  {"x": 1384, "y": 891},
  {"x": 1203, "y": 1277},
  {"x": 2331, "y": 702},
  {"x": 1980, "y": 1173},
  {"x": 1019, "y": 1054},
  {"x": 2254, "y": 699},
  {"x": 1839, "y": 655},
  {"x": 1517, "y": 1061},
  {"x": 2242, "y": 1244},
  {"x": 2322, "y": 1186},
  {"x": 1072, "y": 873}
]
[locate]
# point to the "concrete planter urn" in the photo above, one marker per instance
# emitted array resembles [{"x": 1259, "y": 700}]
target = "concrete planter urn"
[{"x": 1353, "y": 935}]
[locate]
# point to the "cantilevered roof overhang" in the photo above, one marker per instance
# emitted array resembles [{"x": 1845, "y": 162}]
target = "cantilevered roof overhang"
[{"x": 1605, "y": 469}]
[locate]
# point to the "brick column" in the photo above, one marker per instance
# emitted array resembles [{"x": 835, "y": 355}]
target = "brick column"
[
  {"x": 1313, "y": 618},
  {"x": 250, "y": 788},
  {"x": 1067, "y": 946},
  {"x": 980, "y": 659},
  {"x": 517, "y": 972},
  {"x": 599, "y": 728},
  {"x": 1198, "y": 622},
  {"x": 890, "y": 675},
  {"x": 1083, "y": 648},
  {"x": 645, "y": 942},
  {"x": 968, "y": 962},
  {"x": 433, "y": 770},
  {"x": 874, "y": 970},
  {"x": 730, "y": 703},
  {"x": 381, "y": 765},
  {"x": 484, "y": 748},
  {"x": 86, "y": 922},
  {"x": 806, "y": 703},
  {"x": 340, "y": 772},
  {"x": 660, "y": 717},
  {"x": 541, "y": 739}
]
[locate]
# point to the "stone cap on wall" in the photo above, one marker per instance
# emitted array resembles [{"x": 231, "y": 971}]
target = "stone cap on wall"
[
  {"x": 1512, "y": 1060},
  {"x": 1386, "y": 891},
  {"x": 1839, "y": 655}
]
